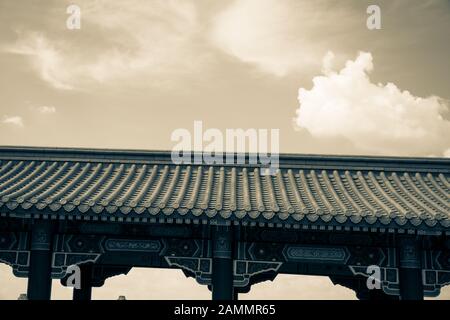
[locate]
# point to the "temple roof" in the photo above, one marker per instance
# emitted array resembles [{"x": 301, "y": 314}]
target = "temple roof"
[{"x": 308, "y": 191}]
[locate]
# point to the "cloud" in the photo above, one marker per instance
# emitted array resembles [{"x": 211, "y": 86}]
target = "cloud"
[
  {"x": 44, "y": 57},
  {"x": 376, "y": 118},
  {"x": 280, "y": 37},
  {"x": 13, "y": 120},
  {"x": 123, "y": 40},
  {"x": 46, "y": 109}
]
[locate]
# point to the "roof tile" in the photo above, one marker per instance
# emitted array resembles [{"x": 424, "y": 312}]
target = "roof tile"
[{"x": 366, "y": 196}]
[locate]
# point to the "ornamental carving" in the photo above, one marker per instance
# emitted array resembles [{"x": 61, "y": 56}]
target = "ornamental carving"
[
  {"x": 132, "y": 245},
  {"x": 319, "y": 254}
]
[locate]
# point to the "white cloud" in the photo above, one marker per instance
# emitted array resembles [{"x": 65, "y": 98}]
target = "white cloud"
[
  {"x": 123, "y": 39},
  {"x": 376, "y": 118},
  {"x": 280, "y": 37},
  {"x": 46, "y": 109},
  {"x": 13, "y": 120},
  {"x": 45, "y": 58}
]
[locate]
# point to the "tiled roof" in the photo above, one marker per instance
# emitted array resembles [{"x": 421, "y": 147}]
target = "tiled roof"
[{"x": 322, "y": 191}]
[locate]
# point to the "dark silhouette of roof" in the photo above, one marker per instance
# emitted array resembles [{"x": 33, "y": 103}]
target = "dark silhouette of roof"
[{"x": 308, "y": 191}]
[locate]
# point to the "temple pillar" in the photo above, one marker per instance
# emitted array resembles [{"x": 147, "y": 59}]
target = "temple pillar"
[
  {"x": 85, "y": 291},
  {"x": 410, "y": 271},
  {"x": 222, "y": 270},
  {"x": 374, "y": 294},
  {"x": 39, "y": 277}
]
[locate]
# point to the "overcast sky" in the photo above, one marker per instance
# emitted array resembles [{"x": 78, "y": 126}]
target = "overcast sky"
[{"x": 138, "y": 70}]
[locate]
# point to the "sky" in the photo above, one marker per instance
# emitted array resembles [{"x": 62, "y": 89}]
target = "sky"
[{"x": 136, "y": 71}]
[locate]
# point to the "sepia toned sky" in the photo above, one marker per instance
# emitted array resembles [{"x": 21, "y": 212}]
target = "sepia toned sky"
[{"x": 138, "y": 70}]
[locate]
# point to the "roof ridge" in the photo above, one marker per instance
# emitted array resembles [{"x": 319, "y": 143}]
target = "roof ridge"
[{"x": 164, "y": 156}]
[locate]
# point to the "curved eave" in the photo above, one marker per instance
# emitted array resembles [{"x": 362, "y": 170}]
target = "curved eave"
[
  {"x": 355, "y": 193},
  {"x": 190, "y": 219}
]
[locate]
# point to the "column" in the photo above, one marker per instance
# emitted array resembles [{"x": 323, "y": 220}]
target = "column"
[
  {"x": 222, "y": 271},
  {"x": 410, "y": 271},
  {"x": 39, "y": 276},
  {"x": 85, "y": 291},
  {"x": 374, "y": 294}
]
